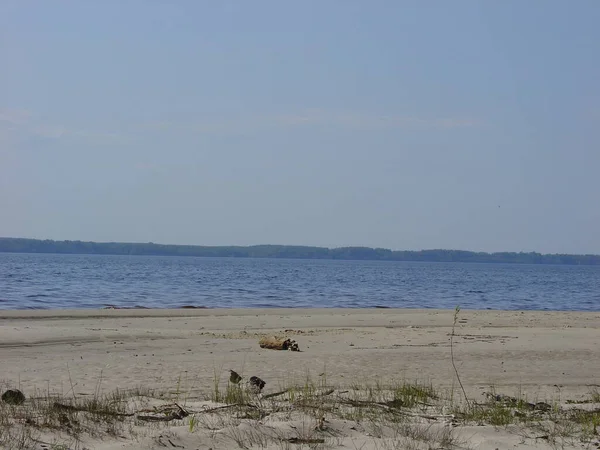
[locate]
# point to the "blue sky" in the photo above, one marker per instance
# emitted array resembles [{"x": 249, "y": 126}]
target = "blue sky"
[{"x": 399, "y": 124}]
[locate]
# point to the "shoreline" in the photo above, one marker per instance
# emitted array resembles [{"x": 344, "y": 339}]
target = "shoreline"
[
  {"x": 201, "y": 311},
  {"x": 204, "y": 311}
]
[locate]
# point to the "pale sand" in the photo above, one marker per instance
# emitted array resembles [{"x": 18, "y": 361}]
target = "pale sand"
[{"x": 545, "y": 355}]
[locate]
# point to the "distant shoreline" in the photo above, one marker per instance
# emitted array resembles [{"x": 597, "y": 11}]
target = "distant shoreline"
[{"x": 24, "y": 245}]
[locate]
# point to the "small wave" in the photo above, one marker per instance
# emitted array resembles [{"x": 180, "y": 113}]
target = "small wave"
[
  {"x": 37, "y": 295},
  {"x": 267, "y": 305},
  {"x": 126, "y": 307}
]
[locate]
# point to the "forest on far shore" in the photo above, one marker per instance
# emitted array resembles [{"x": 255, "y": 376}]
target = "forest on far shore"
[{"x": 21, "y": 245}]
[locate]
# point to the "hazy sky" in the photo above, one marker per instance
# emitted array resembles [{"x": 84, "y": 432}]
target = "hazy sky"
[{"x": 401, "y": 124}]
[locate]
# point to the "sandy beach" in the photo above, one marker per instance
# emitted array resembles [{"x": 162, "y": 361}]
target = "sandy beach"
[{"x": 550, "y": 356}]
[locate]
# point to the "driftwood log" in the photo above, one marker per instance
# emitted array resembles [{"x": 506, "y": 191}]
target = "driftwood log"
[{"x": 275, "y": 343}]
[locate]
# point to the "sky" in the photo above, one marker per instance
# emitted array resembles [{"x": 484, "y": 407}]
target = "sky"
[{"x": 399, "y": 124}]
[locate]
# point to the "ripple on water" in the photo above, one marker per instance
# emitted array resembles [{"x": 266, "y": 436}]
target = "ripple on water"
[{"x": 93, "y": 281}]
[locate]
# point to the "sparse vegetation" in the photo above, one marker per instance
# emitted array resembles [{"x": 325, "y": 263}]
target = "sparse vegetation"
[
  {"x": 393, "y": 415},
  {"x": 452, "y": 334}
]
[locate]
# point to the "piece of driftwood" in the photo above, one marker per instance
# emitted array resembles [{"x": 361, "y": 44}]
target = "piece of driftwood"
[
  {"x": 64, "y": 407},
  {"x": 394, "y": 410},
  {"x": 297, "y": 440},
  {"x": 165, "y": 414},
  {"x": 233, "y": 405},
  {"x": 325, "y": 393},
  {"x": 276, "y": 394},
  {"x": 275, "y": 343}
]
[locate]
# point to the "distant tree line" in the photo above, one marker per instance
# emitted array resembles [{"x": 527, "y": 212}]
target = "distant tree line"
[{"x": 20, "y": 245}]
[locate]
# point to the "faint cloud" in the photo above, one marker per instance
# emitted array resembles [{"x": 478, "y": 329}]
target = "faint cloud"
[
  {"x": 374, "y": 121},
  {"x": 48, "y": 131},
  {"x": 358, "y": 121},
  {"x": 97, "y": 135},
  {"x": 14, "y": 116},
  {"x": 19, "y": 123},
  {"x": 24, "y": 123},
  {"x": 458, "y": 123}
]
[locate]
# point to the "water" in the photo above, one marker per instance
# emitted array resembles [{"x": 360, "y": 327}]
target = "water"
[{"x": 46, "y": 281}]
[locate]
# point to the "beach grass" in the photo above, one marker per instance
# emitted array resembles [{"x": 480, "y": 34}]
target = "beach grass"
[{"x": 394, "y": 414}]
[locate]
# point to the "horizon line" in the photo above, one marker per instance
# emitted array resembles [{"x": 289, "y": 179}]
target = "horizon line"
[{"x": 303, "y": 246}]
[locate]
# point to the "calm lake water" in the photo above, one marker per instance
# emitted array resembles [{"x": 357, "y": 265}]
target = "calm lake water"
[{"x": 46, "y": 281}]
